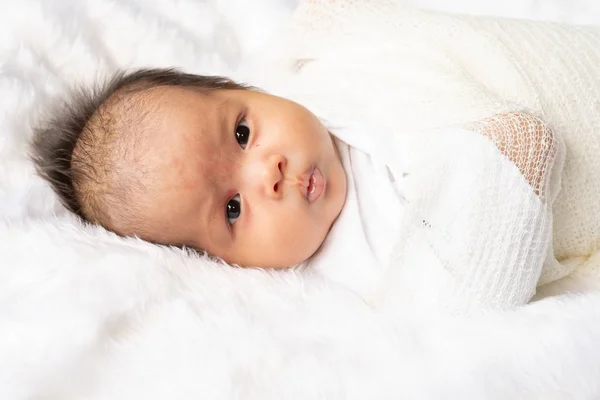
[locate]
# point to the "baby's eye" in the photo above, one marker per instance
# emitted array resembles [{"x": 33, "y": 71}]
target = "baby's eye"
[
  {"x": 233, "y": 209},
  {"x": 242, "y": 134}
]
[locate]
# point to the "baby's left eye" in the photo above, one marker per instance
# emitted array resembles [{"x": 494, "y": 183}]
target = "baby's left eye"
[
  {"x": 233, "y": 209},
  {"x": 242, "y": 134}
]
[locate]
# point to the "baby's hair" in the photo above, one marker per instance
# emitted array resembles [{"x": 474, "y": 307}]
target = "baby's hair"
[{"x": 91, "y": 123}]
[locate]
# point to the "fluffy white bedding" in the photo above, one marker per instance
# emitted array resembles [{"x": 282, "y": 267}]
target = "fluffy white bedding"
[{"x": 84, "y": 314}]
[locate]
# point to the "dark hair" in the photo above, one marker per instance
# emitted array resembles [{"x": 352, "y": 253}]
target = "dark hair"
[{"x": 54, "y": 141}]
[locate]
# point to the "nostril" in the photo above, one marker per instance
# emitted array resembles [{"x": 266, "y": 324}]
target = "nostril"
[
  {"x": 276, "y": 187},
  {"x": 280, "y": 166}
]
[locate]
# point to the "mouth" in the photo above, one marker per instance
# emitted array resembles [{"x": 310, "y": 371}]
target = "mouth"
[{"x": 313, "y": 184}]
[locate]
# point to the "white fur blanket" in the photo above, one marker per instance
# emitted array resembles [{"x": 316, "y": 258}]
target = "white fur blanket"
[{"x": 84, "y": 314}]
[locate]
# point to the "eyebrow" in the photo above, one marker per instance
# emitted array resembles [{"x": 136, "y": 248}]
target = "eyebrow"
[
  {"x": 213, "y": 213},
  {"x": 222, "y": 110},
  {"x": 216, "y": 214}
]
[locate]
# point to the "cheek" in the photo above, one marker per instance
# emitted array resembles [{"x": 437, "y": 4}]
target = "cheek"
[
  {"x": 293, "y": 238},
  {"x": 302, "y": 129}
]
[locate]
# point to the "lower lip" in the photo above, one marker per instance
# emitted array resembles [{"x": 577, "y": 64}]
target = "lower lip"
[{"x": 316, "y": 186}]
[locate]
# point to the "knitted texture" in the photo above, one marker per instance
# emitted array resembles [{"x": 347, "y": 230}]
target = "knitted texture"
[
  {"x": 479, "y": 220},
  {"x": 423, "y": 75}
]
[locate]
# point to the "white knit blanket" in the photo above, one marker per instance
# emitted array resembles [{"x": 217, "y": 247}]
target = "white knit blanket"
[
  {"x": 84, "y": 314},
  {"x": 426, "y": 73}
]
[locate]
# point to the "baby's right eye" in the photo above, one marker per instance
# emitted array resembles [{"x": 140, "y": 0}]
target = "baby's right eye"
[
  {"x": 242, "y": 134},
  {"x": 233, "y": 209}
]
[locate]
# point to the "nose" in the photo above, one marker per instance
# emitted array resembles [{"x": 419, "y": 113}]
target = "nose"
[{"x": 268, "y": 175}]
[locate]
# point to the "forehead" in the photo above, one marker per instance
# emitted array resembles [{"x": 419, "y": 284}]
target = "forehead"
[
  {"x": 186, "y": 150},
  {"x": 185, "y": 119},
  {"x": 186, "y": 106}
]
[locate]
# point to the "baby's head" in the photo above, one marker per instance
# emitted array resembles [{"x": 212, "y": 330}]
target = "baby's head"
[{"x": 196, "y": 161}]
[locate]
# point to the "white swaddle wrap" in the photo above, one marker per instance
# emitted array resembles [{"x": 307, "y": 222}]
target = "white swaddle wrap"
[
  {"x": 444, "y": 220},
  {"x": 356, "y": 252},
  {"x": 428, "y": 73}
]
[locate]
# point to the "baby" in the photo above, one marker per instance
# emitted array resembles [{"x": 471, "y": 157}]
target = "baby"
[
  {"x": 209, "y": 164},
  {"x": 401, "y": 155},
  {"x": 197, "y": 161}
]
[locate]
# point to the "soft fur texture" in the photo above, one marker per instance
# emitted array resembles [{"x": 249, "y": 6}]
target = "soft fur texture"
[{"x": 84, "y": 314}]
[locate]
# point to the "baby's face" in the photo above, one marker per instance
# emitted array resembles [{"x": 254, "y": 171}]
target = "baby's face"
[{"x": 249, "y": 177}]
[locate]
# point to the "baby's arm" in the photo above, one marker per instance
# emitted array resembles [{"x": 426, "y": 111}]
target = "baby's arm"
[
  {"x": 487, "y": 233},
  {"x": 527, "y": 141}
]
